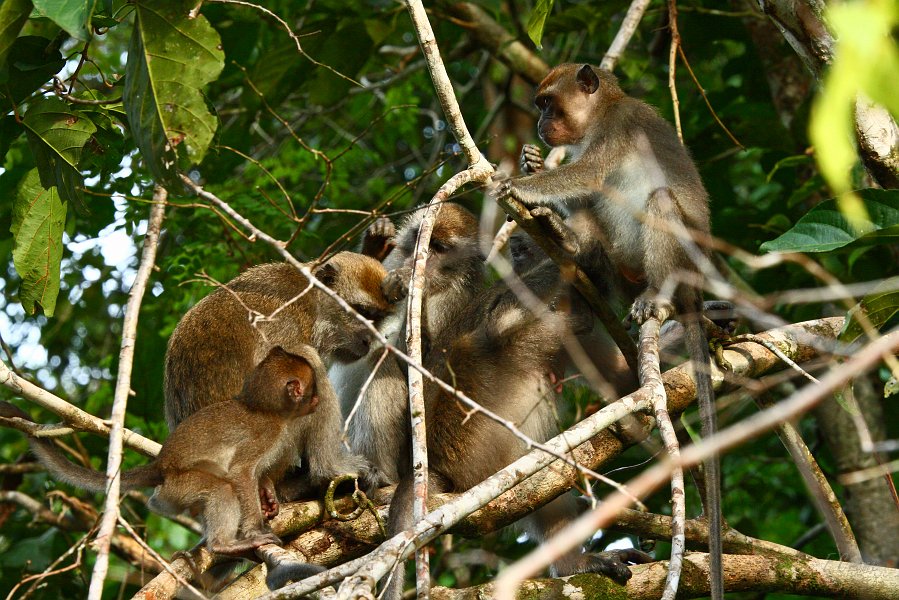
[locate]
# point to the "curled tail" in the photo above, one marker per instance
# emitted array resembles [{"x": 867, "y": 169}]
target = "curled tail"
[{"x": 65, "y": 470}]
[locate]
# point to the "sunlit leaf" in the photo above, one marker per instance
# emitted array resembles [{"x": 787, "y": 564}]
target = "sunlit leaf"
[
  {"x": 879, "y": 307},
  {"x": 170, "y": 57},
  {"x": 826, "y": 227},
  {"x": 38, "y": 218},
  {"x": 72, "y": 15},
  {"x": 537, "y": 21},
  {"x": 57, "y": 136}
]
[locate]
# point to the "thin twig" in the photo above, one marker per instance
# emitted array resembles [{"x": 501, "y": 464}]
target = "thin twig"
[
  {"x": 651, "y": 377},
  {"x": 672, "y": 66},
  {"x": 122, "y": 391}
]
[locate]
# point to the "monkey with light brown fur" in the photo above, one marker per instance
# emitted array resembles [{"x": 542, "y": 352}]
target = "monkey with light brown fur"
[
  {"x": 220, "y": 340},
  {"x": 221, "y": 462},
  {"x": 628, "y": 165}
]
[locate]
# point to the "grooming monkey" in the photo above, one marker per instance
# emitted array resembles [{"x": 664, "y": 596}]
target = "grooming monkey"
[
  {"x": 502, "y": 356},
  {"x": 379, "y": 429},
  {"x": 221, "y": 462},
  {"x": 216, "y": 344},
  {"x": 626, "y": 161}
]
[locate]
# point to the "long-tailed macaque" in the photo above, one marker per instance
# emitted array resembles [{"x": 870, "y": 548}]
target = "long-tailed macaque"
[
  {"x": 217, "y": 343},
  {"x": 221, "y": 462},
  {"x": 629, "y": 167},
  {"x": 503, "y": 356},
  {"x": 454, "y": 274}
]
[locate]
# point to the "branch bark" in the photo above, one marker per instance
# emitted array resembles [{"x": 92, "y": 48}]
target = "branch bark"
[{"x": 122, "y": 391}]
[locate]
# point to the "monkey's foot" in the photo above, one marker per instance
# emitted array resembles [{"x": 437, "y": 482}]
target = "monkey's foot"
[
  {"x": 246, "y": 545},
  {"x": 378, "y": 240},
  {"x": 269, "y": 502},
  {"x": 552, "y": 224},
  {"x": 614, "y": 563},
  {"x": 649, "y": 305},
  {"x": 531, "y": 159},
  {"x": 396, "y": 284}
]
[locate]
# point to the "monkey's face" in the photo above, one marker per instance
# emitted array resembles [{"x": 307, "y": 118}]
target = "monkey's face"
[
  {"x": 356, "y": 279},
  {"x": 567, "y": 99},
  {"x": 454, "y": 249}
]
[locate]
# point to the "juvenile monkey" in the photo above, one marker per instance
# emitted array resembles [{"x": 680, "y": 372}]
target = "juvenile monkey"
[
  {"x": 626, "y": 161},
  {"x": 454, "y": 274},
  {"x": 502, "y": 355},
  {"x": 221, "y": 462},
  {"x": 217, "y": 344}
]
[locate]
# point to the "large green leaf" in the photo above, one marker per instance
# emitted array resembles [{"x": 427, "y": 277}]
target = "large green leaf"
[
  {"x": 537, "y": 20},
  {"x": 170, "y": 57},
  {"x": 57, "y": 135},
  {"x": 37, "y": 223},
  {"x": 32, "y": 61},
  {"x": 826, "y": 228},
  {"x": 72, "y": 15},
  {"x": 879, "y": 306},
  {"x": 13, "y": 14}
]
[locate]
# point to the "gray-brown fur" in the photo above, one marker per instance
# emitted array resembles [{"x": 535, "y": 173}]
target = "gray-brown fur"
[
  {"x": 502, "y": 356},
  {"x": 220, "y": 463},
  {"x": 455, "y": 274},
  {"x": 625, "y": 160}
]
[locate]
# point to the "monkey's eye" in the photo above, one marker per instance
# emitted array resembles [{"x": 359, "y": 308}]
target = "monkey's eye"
[
  {"x": 369, "y": 312},
  {"x": 542, "y": 103},
  {"x": 439, "y": 246}
]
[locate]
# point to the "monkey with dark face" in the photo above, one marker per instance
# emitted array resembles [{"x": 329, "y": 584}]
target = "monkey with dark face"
[
  {"x": 628, "y": 166},
  {"x": 217, "y": 344},
  {"x": 503, "y": 356},
  {"x": 455, "y": 272},
  {"x": 221, "y": 462}
]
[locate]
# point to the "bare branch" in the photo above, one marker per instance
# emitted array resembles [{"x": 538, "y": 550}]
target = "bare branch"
[
  {"x": 625, "y": 32},
  {"x": 122, "y": 390}
]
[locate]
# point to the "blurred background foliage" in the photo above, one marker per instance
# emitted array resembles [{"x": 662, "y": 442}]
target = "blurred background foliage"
[{"x": 309, "y": 142}]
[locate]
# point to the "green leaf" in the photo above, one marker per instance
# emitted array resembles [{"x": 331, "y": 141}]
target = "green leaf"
[
  {"x": 825, "y": 227},
  {"x": 32, "y": 61},
  {"x": 879, "y": 307},
  {"x": 537, "y": 21},
  {"x": 13, "y": 14},
  {"x": 170, "y": 57},
  {"x": 56, "y": 136},
  {"x": 72, "y": 15},
  {"x": 37, "y": 223}
]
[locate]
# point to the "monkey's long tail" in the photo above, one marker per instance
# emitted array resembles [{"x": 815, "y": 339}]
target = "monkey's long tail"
[
  {"x": 698, "y": 347},
  {"x": 65, "y": 470}
]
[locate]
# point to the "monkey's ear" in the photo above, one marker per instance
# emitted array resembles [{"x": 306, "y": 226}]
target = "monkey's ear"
[
  {"x": 327, "y": 274},
  {"x": 587, "y": 79},
  {"x": 294, "y": 388}
]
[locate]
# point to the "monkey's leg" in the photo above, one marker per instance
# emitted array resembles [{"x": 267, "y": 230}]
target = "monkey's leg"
[{"x": 555, "y": 516}]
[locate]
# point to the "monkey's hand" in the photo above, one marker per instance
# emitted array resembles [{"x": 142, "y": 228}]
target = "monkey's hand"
[
  {"x": 268, "y": 499},
  {"x": 613, "y": 563},
  {"x": 648, "y": 305},
  {"x": 551, "y": 222},
  {"x": 378, "y": 240},
  {"x": 531, "y": 159},
  {"x": 396, "y": 284},
  {"x": 245, "y": 546}
]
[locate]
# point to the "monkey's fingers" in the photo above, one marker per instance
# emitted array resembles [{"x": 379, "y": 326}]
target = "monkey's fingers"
[
  {"x": 269, "y": 503},
  {"x": 609, "y": 564},
  {"x": 649, "y": 305},
  {"x": 531, "y": 159},
  {"x": 245, "y": 547},
  {"x": 396, "y": 284},
  {"x": 378, "y": 240}
]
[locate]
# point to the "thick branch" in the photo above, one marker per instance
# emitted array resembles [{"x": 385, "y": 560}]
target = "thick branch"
[{"x": 804, "y": 576}]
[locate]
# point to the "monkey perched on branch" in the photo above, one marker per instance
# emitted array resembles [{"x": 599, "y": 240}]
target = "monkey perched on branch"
[
  {"x": 503, "y": 355},
  {"x": 628, "y": 165},
  {"x": 218, "y": 343},
  {"x": 379, "y": 429},
  {"x": 221, "y": 462}
]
